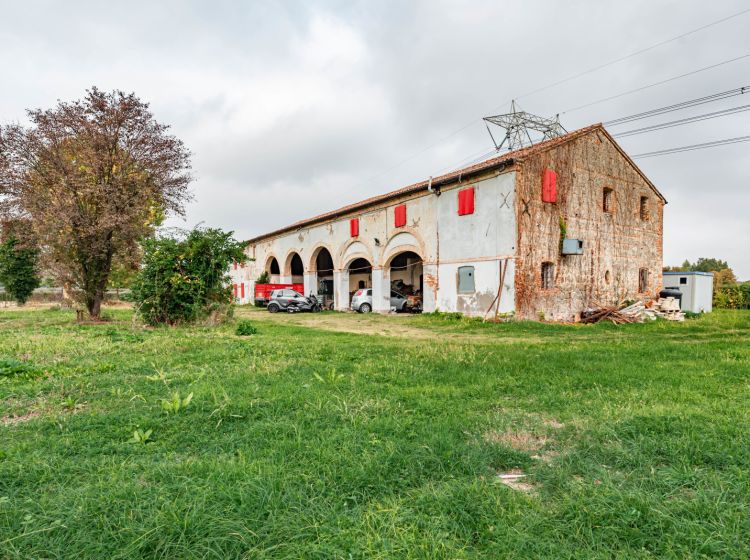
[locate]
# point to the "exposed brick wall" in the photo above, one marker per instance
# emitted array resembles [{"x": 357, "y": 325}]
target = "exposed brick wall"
[{"x": 616, "y": 244}]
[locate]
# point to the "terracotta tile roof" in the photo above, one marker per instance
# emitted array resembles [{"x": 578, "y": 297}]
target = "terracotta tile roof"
[{"x": 488, "y": 164}]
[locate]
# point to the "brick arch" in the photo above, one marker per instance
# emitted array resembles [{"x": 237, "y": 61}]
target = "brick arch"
[
  {"x": 317, "y": 248},
  {"x": 287, "y": 269},
  {"x": 362, "y": 250},
  {"x": 269, "y": 259},
  {"x": 406, "y": 239}
]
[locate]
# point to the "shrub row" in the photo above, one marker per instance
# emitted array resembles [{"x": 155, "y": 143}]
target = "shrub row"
[{"x": 732, "y": 297}]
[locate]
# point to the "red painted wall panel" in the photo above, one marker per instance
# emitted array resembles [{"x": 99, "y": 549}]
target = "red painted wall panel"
[
  {"x": 400, "y": 215},
  {"x": 549, "y": 186}
]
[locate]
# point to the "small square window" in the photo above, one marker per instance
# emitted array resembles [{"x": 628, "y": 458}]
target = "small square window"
[
  {"x": 607, "y": 200},
  {"x": 466, "y": 280},
  {"x": 643, "y": 280},
  {"x": 644, "y": 208},
  {"x": 683, "y": 280},
  {"x": 548, "y": 275}
]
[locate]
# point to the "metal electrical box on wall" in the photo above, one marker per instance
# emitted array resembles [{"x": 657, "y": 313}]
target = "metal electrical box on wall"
[{"x": 572, "y": 247}]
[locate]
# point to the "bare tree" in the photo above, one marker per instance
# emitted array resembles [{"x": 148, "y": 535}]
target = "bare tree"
[{"x": 93, "y": 177}]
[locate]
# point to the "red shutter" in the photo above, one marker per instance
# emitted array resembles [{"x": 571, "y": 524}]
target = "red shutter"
[
  {"x": 400, "y": 215},
  {"x": 549, "y": 186},
  {"x": 242, "y": 290},
  {"x": 466, "y": 201},
  {"x": 234, "y": 287},
  {"x": 354, "y": 227}
]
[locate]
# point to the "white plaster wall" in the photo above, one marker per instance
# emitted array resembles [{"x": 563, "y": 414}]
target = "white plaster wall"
[
  {"x": 481, "y": 240},
  {"x": 434, "y": 230}
]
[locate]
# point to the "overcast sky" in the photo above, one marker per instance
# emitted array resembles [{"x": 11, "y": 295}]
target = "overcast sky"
[{"x": 295, "y": 108}]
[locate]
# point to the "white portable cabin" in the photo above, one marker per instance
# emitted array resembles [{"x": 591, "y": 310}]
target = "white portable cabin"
[{"x": 697, "y": 289}]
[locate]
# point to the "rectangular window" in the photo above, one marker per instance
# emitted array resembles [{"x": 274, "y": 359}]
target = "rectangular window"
[
  {"x": 549, "y": 186},
  {"x": 548, "y": 275},
  {"x": 607, "y": 200},
  {"x": 643, "y": 280},
  {"x": 400, "y": 215},
  {"x": 683, "y": 280},
  {"x": 466, "y": 201},
  {"x": 644, "y": 208},
  {"x": 354, "y": 227},
  {"x": 466, "y": 280}
]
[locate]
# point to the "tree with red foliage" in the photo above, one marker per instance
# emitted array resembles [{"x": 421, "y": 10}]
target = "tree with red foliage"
[{"x": 92, "y": 177}]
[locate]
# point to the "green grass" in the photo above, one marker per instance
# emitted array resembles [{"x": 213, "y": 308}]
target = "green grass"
[{"x": 308, "y": 443}]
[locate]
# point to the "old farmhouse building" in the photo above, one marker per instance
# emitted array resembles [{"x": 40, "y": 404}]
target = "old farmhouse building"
[{"x": 544, "y": 232}]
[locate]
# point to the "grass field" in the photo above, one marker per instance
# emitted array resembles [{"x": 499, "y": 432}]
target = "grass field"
[{"x": 346, "y": 436}]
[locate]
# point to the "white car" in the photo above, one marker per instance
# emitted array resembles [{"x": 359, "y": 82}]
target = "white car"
[{"x": 362, "y": 301}]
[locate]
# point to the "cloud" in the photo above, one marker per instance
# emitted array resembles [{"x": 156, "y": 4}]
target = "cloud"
[{"x": 295, "y": 108}]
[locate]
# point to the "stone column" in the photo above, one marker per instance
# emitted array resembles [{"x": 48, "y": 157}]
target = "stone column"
[
  {"x": 381, "y": 292},
  {"x": 311, "y": 283},
  {"x": 341, "y": 289},
  {"x": 430, "y": 292}
]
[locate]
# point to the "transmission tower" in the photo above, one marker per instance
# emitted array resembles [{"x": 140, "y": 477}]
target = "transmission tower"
[{"x": 517, "y": 125}]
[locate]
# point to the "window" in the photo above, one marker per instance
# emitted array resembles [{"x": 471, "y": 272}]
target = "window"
[
  {"x": 400, "y": 215},
  {"x": 361, "y": 284},
  {"x": 466, "y": 201},
  {"x": 466, "y": 280},
  {"x": 607, "y": 277},
  {"x": 643, "y": 280},
  {"x": 369, "y": 292},
  {"x": 354, "y": 227},
  {"x": 644, "y": 208},
  {"x": 548, "y": 275},
  {"x": 683, "y": 280},
  {"x": 607, "y": 200}
]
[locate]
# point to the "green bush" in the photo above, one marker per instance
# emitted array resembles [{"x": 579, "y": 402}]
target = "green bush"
[
  {"x": 184, "y": 278},
  {"x": 18, "y": 269},
  {"x": 732, "y": 297},
  {"x": 245, "y": 328}
]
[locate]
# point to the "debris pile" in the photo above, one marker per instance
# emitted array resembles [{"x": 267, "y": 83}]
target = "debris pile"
[
  {"x": 668, "y": 308},
  {"x": 665, "y": 308}
]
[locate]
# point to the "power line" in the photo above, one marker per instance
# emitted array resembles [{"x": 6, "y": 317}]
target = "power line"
[
  {"x": 565, "y": 80},
  {"x": 692, "y": 147},
  {"x": 678, "y": 106},
  {"x": 687, "y": 120},
  {"x": 624, "y": 93},
  {"x": 635, "y": 53}
]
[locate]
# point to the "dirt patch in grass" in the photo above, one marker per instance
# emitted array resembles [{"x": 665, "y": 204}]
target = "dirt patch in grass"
[
  {"x": 13, "y": 420},
  {"x": 393, "y": 325},
  {"x": 520, "y": 440}
]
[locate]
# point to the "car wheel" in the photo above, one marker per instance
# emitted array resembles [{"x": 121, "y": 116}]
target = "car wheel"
[
  {"x": 273, "y": 307},
  {"x": 365, "y": 308}
]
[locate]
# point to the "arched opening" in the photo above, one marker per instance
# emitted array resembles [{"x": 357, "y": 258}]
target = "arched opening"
[
  {"x": 406, "y": 279},
  {"x": 360, "y": 275},
  {"x": 273, "y": 270},
  {"x": 297, "y": 269},
  {"x": 323, "y": 265}
]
